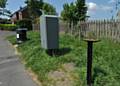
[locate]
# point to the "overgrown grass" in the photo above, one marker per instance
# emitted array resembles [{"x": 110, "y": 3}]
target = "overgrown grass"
[{"x": 106, "y": 59}]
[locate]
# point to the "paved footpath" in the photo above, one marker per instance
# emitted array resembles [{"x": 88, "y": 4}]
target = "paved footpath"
[{"x": 12, "y": 72}]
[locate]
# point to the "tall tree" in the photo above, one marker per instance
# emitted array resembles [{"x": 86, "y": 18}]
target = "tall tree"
[
  {"x": 81, "y": 9},
  {"x": 68, "y": 14},
  {"x": 65, "y": 12},
  {"x": 33, "y": 6},
  {"x": 3, "y": 3},
  {"x": 74, "y": 12},
  {"x": 49, "y": 9}
]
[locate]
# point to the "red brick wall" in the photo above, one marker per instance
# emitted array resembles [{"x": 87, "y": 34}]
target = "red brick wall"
[
  {"x": 20, "y": 15},
  {"x": 25, "y": 14}
]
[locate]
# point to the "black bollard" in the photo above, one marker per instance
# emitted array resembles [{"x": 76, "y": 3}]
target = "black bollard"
[
  {"x": 89, "y": 60},
  {"x": 89, "y": 63}
]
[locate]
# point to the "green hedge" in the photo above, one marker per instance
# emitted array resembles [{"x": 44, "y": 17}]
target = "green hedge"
[
  {"x": 25, "y": 23},
  {"x": 9, "y": 27}
]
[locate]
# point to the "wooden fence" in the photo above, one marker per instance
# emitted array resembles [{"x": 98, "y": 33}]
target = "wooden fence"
[{"x": 99, "y": 28}]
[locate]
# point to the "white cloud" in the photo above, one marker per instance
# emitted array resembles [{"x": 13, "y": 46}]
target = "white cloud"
[{"x": 92, "y": 6}]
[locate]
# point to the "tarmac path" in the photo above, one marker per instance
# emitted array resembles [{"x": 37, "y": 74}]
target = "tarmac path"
[{"x": 12, "y": 72}]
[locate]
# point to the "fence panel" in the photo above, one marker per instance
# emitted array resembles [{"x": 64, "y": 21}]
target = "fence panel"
[{"x": 100, "y": 28}]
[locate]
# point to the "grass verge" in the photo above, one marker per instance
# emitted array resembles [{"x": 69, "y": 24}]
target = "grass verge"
[{"x": 106, "y": 61}]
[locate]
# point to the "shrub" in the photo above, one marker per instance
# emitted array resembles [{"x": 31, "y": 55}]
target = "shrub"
[
  {"x": 25, "y": 23},
  {"x": 9, "y": 27}
]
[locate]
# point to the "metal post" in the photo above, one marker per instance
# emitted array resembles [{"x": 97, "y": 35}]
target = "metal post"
[
  {"x": 90, "y": 42},
  {"x": 89, "y": 63}
]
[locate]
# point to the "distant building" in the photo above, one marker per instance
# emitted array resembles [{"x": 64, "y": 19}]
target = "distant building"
[{"x": 22, "y": 13}]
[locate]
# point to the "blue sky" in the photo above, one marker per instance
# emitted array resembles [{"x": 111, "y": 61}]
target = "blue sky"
[
  {"x": 97, "y": 9},
  {"x": 101, "y": 9}
]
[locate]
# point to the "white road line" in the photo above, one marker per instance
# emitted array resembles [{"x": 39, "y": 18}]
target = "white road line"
[{"x": 9, "y": 60}]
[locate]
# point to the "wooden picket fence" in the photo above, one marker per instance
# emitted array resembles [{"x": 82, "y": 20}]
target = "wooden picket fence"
[{"x": 99, "y": 28}]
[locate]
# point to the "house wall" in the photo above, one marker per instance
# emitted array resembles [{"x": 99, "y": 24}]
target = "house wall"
[
  {"x": 19, "y": 15},
  {"x": 14, "y": 18},
  {"x": 25, "y": 14}
]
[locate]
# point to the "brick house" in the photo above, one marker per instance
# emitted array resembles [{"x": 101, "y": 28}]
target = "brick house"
[{"x": 22, "y": 13}]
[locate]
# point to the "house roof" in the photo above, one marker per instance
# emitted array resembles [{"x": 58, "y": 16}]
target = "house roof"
[{"x": 20, "y": 10}]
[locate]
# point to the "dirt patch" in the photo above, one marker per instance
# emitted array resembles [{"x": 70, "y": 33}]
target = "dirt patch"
[
  {"x": 69, "y": 67},
  {"x": 65, "y": 76}
]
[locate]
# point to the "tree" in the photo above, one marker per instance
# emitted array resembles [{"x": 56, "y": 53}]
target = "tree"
[
  {"x": 33, "y": 6},
  {"x": 3, "y": 3},
  {"x": 4, "y": 11},
  {"x": 74, "y": 12},
  {"x": 68, "y": 14},
  {"x": 65, "y": 12},
  {"x": 49, "y": 9},
  {"x": 81, "y": 10}
]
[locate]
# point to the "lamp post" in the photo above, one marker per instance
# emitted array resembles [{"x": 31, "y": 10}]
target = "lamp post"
[{"x": 89, "y": 59}]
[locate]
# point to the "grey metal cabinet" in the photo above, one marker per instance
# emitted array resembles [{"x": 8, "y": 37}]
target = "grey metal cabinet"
[{"x": 49, "y": 29}]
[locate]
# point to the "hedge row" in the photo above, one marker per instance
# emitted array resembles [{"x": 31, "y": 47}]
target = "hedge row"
[{"x": 9, "y": 27}]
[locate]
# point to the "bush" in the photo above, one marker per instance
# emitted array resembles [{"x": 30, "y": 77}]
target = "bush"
[
  {"x": 9, "y": 27},
  {"x": 25, "y": 23}
]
